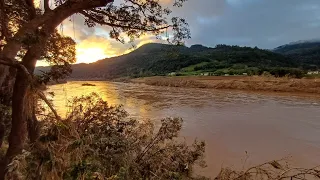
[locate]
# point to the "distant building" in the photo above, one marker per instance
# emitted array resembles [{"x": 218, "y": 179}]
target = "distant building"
[
  {"x": 205, "y": 74},
  {"x": 172, "y": 74},
  {"x": 313, "y": 72}
]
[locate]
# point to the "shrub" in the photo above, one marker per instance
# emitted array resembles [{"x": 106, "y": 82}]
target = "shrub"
[{"x": 98, "y": 141}]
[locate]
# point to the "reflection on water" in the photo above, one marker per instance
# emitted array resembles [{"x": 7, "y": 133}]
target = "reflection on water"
[{"x": 266, "y": 126}]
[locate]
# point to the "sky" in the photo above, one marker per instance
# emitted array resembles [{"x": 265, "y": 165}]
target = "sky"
[{"x": 262, "y": 23}]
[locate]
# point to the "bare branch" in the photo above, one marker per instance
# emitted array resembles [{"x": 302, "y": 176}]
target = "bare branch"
[
  {"x": 109, "y": 15},
  {"x": 276, "y": 170}
]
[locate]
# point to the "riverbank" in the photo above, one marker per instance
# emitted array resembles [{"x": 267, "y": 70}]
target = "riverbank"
[{"x": 250, "y": 83}]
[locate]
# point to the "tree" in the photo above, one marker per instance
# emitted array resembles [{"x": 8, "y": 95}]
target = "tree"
[{"x": 26, "y": 33}]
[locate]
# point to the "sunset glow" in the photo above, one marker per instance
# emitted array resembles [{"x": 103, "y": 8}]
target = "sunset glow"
[
  {"x": 90, "y": 54},
  {"x": 93, "y": 49}
]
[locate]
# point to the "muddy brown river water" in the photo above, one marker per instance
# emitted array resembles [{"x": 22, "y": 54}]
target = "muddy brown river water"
[{"x": 235, "y": 125}]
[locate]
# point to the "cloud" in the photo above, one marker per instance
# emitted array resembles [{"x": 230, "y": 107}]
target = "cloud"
[
  {"x": 95, "y": 48},
  {"x": 262, "y": 23}
]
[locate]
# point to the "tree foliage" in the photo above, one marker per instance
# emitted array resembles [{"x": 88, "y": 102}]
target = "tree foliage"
[{"x": 307, "y": 54}]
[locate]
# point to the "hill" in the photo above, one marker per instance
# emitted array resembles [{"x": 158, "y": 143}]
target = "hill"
[
  {"x": 161, "y": 59},
  {"x": 306, "y": 53}
]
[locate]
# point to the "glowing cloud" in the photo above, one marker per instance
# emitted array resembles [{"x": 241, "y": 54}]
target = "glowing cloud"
[{"x": 94, "y": 48}]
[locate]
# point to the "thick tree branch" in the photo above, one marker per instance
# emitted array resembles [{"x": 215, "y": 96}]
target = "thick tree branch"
[{"x": 16, "y": 64}]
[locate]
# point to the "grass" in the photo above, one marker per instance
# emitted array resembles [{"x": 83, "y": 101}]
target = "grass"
[{"x": 191, "y": 68}]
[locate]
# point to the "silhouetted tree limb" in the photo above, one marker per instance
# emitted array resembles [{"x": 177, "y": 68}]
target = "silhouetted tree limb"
[
  {"x": 46, "y": 5},
  {"x": 43, "y": 97}
]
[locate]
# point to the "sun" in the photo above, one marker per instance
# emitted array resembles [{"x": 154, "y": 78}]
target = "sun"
[{"x": 90, "y": 54}]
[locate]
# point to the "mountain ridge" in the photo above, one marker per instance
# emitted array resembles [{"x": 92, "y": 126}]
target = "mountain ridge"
[
  {"x": 161, "y": 59},
  {"x": 306, "y": 53}
]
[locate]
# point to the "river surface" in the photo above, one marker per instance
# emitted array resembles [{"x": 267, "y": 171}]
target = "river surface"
[{"x": 240, "y": 129}]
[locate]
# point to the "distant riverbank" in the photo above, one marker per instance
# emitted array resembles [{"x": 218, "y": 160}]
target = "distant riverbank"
[{"x": 250, "y": 83}]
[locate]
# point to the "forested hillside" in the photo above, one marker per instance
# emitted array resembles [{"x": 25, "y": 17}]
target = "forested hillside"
[
  {"x": 305, "y": 53},
  {"x": 160, "y": 59}
]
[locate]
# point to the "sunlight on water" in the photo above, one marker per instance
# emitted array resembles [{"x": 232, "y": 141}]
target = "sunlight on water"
[
  {"x": 267, "y": 126},
  {"x": 108, "y": 91}
]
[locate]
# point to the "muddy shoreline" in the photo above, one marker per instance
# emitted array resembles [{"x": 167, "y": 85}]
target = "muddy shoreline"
[{"x": 243, "y": 83}]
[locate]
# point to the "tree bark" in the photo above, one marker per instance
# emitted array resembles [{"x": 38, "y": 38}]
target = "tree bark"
[
  {"x": 20, "y": 111},
  {"x": 21, "y": 103},
  {"x": 19, "y": 124}
]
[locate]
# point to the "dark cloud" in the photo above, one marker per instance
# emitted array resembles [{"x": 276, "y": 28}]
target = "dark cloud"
[{"x": 262, "y": 23}]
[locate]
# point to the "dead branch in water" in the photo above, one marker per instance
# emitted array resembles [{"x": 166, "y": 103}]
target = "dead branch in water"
[{"x": 272, "y": 170}]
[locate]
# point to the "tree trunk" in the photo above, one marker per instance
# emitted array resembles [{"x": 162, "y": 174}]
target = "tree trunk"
[
  {"x": 21, "y": 103},
  {"x": 20, "y": 108},
  {"x": 19, "y": 124}
]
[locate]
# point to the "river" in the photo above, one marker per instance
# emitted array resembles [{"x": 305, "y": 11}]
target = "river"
[{"x": 240, "y": 128}]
